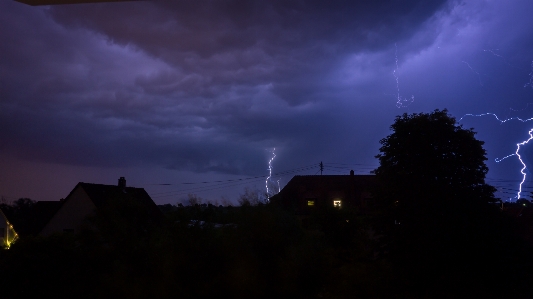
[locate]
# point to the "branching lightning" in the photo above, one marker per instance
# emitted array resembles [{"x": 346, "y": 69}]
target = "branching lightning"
[
  {"x": 517, "y": 110},
  {"x": 474, "y": 71},
  {"x": 400, "y": 101},
  {"x": 530, "y": 83},
  {"x": 502, "y": 121},
  {"x": 523, "y": 164},
  {"x": 494, "y": 53},
  {"x": 518, "y": 145}
]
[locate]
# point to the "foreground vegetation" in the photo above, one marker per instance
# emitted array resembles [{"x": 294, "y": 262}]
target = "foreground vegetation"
[{"x": 264, "y": 252}]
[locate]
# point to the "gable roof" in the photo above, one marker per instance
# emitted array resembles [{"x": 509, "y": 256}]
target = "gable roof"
[
  {"x": 101, "y": 194},
  {"x": 331, "y": 181},
  {"x": 302, "y": 183}
]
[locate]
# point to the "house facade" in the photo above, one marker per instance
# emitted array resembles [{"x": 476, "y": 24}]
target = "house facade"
[{"x": 303, "y": 194}]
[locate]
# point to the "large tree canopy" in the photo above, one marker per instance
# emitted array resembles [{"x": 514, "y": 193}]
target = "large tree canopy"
[
  {"x": 433, "y": 216},
  {"x": 429, "y": 155}
]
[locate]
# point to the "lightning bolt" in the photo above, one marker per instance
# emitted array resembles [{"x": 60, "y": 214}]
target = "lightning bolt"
[
  {"x": 474, "y": 71},
  {"x": 269, "y": 178},
  {"x": 502, "y": 121},
  {"x": 527, "y": 106},
  {"x": 530, "y": 83},
  {"x": 400, "y": 101},
  {"x": 495, "y": 54},
  {"x": 523, "y": 164},
  {"x": 518, "y": 145}
]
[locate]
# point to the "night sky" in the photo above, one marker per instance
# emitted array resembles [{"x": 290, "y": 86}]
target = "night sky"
[{"x": 179, "y": 92}]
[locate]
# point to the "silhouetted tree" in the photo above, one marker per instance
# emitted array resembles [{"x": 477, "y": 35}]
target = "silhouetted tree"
[
  {"x": 20, "y": 213},
  {"x": 194, "y": 200},
  {"x": 429, "y": 156},
  {"x": 251, "y": 197},
  {"x": 437, "y": 222}
]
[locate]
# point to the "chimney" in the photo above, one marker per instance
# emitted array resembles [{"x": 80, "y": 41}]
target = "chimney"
[
  {"x": 122, "y": 182},
  {"x": 351, "y": 172}
]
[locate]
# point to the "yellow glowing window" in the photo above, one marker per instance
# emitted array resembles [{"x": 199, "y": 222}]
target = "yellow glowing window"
[
  {"x": 310, "y": 203},
  {"x": 337, "y": 203}
]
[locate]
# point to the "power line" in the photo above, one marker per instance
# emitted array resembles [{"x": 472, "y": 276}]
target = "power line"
[
  {"x": 223, "y": 184},
  {"x": 243, "y": 179}
]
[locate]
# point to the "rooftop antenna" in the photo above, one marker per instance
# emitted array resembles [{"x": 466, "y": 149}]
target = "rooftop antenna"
[{"x": 321, "y": 167}]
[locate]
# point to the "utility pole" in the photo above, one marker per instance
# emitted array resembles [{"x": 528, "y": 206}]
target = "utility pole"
[{"x": 321, "y": 167}]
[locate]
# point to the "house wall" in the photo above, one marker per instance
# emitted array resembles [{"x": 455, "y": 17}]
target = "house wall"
[{"x": 76, "y": 208}]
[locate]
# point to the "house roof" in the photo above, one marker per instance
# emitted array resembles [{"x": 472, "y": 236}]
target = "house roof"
[
  {"x": 299, "y": 184},
  {"x": 100, "y": 195},
  {"x": 332, "y": 181},
  {"x": 41, "y": 213}
]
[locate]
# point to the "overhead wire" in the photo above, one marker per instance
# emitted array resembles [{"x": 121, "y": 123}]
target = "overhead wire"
[{"x": 221, "y": 184}]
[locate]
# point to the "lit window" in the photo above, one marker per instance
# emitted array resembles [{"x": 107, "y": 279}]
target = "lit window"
[
  {"x": 310, "y": 203},
  {"x": 337, "y": 203}
]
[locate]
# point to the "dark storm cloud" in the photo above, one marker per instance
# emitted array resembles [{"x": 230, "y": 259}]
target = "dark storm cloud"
[
  {"x": 208, "y": 87},
  {"x": 220, "y": 43},
  {"x": 198, "y": 86}
]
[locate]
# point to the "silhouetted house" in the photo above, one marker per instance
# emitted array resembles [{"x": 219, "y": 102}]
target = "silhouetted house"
[
  {"x": 7, "y": 232},
  {"x": 40, "y": 214},
  {"x": 304, "y": 194},
  {"x": 86, "y": 199}
]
